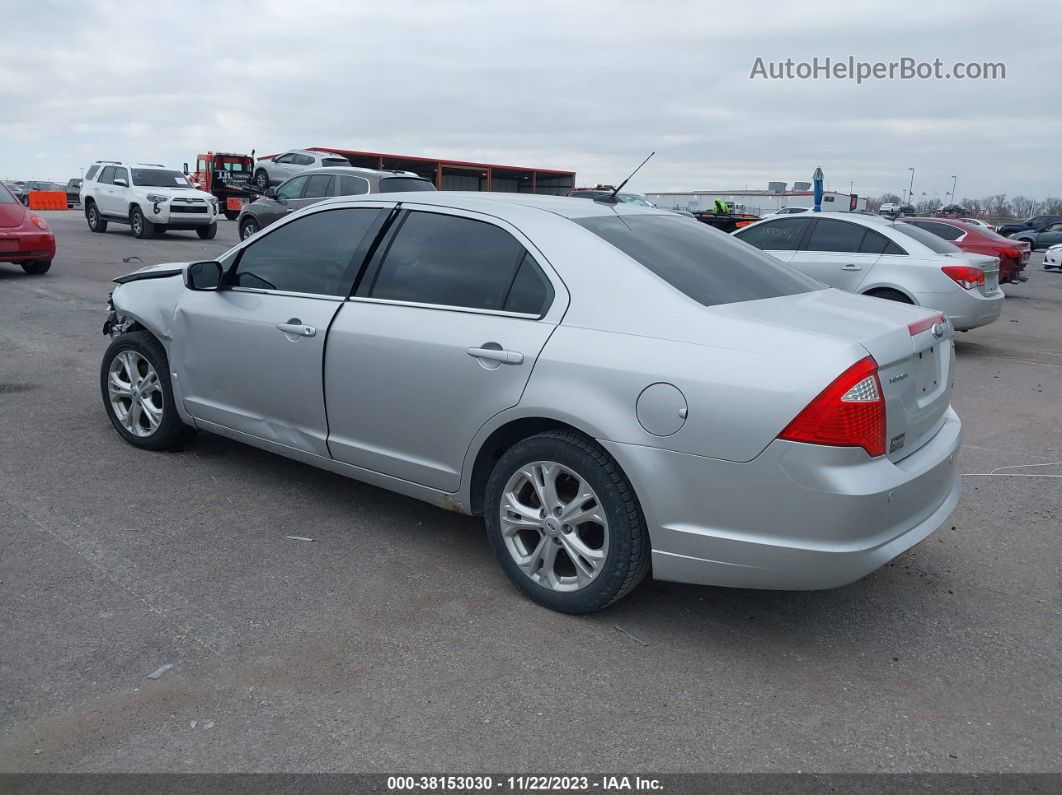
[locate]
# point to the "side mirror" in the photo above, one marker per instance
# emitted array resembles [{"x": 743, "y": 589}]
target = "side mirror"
[
  {"x": 121, "y": 181},
  {"x": 203, "y": 275}
]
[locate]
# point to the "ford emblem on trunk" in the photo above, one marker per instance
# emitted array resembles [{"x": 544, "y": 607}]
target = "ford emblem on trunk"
[{"x": 938, "y": 330}]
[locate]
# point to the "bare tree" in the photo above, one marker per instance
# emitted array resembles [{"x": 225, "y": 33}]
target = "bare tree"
[
  {"x": 998, "y": 206},
  {"x": 1052, "y": 205},
  {"x": 1024, "y": 207}
]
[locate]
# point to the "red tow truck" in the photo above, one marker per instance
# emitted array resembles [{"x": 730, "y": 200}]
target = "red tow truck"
[{"x": 226, "y": 175}]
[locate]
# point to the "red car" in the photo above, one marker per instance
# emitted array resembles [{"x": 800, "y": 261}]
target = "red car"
[
  {"x": 1013, "y": 254},
  {"x": 24, "y": 236}
]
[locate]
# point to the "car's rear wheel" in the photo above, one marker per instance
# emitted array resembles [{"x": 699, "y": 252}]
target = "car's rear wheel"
[
  {"x": 890, "y": 295},
  {"x": 36, "y": 267},
  {"x": 207, "y": 232},
  {"x": 95, "y": 220},
  {"x": 248, "y": 227},
  {"x": 142, "y": 227},
  {"x": 565, "y": 523},
  {"x": 261, "y": 179},
  {"x": 231, "y": 215},
  {"x": 137, "y": 394}
]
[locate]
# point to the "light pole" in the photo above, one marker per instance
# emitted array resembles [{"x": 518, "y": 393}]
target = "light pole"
[
  {"x": 954, "y": 179},
  {"x": 910, "y": 188}
]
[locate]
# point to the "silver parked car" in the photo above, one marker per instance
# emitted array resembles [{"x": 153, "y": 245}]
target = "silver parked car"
[
  {"x": 321, "y": 183},
  {"x": 614, "y": 388},
  {"x": 875, "y": 256},
  {"x": 273, "y": 171}
]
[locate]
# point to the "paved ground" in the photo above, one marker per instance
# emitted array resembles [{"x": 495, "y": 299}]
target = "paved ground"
[{"x": 395, "y": 643}]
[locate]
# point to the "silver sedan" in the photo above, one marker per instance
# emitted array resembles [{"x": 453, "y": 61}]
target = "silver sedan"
[{"x": 615, "y": 389}]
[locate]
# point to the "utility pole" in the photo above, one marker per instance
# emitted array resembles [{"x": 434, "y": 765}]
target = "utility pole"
[
  {"x": 910, "y": 188},
  {"x": 954, "y": 179}
]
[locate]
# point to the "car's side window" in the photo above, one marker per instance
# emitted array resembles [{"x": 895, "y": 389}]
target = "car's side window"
[
  {"x": 285, "y": 159},
  {"x": 292, "y": 189},
  {"x": 945, "y": 231},
  {"x": 831, "y": 235},
  {"x": 1037, "y": 222},
  {"x": 91, "y": 172},
  {"x": 781, "y": 235},
  {"x": 449, "y": 260},
  {"x": 873, "y": 243},
  {"x": 353, "y": 186},
  {"x": 122, "y": 173},
  {"x": 308, "y": 255},
  {"x": 531, "y": 292},
  {"x": 302, "y": 160},
  {"x": 318, "y": 186},
  {"x": 107, "y": 177}
]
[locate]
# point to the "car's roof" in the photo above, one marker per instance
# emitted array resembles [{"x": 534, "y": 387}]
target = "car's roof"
[
  {"x": 565, "y": 206},
  {"x": 310, "y": 152},
  {"x": 361, "y": 172}
]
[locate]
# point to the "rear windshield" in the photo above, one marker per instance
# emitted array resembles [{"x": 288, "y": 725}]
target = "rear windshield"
[
  {"x": 5, "y": 195},
  {"x": 403, "y": 184},
  {"x": 160, "y": 178},
  {"x": 707, "y": 265},
  {"x": 937, "y": 245}
]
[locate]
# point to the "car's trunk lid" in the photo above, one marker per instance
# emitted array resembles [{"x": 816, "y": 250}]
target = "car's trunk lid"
[
  {"x": 11, "y": 214},
  {"x": 911, "y": 345}
]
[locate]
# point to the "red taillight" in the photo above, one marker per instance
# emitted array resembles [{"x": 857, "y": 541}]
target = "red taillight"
[
  {"x": 39, "y": 222},
  {"x": 850, "y": 412},
  {"x": 1012, "y": 252},
  {"x": 966, "y": 276}
]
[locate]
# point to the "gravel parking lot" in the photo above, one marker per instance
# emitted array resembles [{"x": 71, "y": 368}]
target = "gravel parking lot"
[{"x": 393, "y": 642}]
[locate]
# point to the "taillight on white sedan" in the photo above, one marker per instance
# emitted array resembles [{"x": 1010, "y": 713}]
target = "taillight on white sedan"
[
  {"x": 850, "y": 412},
  {"x": 966, "y": 276}
]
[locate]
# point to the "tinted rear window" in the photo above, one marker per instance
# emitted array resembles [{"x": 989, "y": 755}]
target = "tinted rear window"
[
  {"x": 335, "y": 161},
  {"x": 403, "y": 184},
  {"x": 705, "y": 264},
  {"x": 928, "y": 239}
]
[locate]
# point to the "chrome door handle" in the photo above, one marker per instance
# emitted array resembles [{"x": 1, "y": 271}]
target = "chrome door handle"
[
  {"x": 851, "y": 266},
  {"x": 497, "y": 355},
  {"x": 301, "y": 329}
]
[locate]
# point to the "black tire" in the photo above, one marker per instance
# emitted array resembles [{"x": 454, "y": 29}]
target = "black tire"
[
  {"x": 261, "y": 179},
  {"x": 231, "y": 215},
  {"x": 207, "y": 232},
  {"x": 627, "y": 561},
  {"x": 96, "y": 223},
  {"x": 890, "y": 295},
  {"x": 171, "y": 431},
  {"x": 248, "y": 227},
  {"x": 36, "y": 267},
  {"x": 142, "y": 227}
]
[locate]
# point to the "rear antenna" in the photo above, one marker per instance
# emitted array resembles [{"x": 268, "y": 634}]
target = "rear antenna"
[{"x": 611, "y": 198}]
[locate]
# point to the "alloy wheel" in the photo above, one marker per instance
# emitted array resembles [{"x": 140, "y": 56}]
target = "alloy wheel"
[
  {"x": 554, "y": 526},
  {"x": 135, "y": 393}
]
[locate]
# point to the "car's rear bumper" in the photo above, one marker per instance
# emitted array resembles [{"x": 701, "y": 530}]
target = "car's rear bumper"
[
  {"x": 798, "y": 517},
  {"x": 18, "y": 245},
  {"x": 966, "y": 309}
]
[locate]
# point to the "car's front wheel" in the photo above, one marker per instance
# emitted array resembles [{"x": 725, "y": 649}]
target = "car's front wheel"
[
  {"x": 248, "y": 227},
  {"x": 207, "y": 232},
  {"x": 142, "y": 227},
  {"x": 95, "y": 220},
  {"x": 261, "y": 179},
  {"x": 565, "y": 523},
  {"x": 137, "y": 394}
]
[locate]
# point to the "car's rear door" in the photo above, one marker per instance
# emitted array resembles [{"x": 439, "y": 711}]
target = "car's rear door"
[
  {"x": 441, "y": 334},
  {"x": 248, "y": 357},
  {"x": 832, "y": 252}
]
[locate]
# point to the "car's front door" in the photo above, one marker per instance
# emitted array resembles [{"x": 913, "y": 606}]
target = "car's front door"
[
  {"x": 834, "y": 253},
  {"x": 1051, "y": 236},
  {"x": 779, "y": 237},
  {"x": 248, "y": 357},
  {"x": 441, "y": 335}
]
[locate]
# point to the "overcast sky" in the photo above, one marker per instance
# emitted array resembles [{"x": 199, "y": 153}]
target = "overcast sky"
[{"x": 587, "y": 86}]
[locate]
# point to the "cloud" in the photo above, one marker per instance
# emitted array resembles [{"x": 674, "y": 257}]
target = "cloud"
[{"x": 591, "y": 86}]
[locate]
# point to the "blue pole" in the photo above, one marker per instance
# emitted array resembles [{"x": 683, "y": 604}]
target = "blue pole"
[{"x": 817, "y": 180}]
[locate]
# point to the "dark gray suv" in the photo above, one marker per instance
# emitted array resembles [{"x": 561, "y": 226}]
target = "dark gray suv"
[{"x": 321, "y": 183}]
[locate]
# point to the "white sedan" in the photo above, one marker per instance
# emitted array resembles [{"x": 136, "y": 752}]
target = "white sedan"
[{"x": 874, "y": 256}]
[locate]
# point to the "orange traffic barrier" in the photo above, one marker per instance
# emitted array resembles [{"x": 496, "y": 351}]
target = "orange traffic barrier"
[{"x": 47, "y": 200}]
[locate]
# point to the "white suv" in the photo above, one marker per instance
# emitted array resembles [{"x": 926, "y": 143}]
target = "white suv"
[
  {"x": 285, "y": 166},
  {"x": 149, "y": 197}
]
